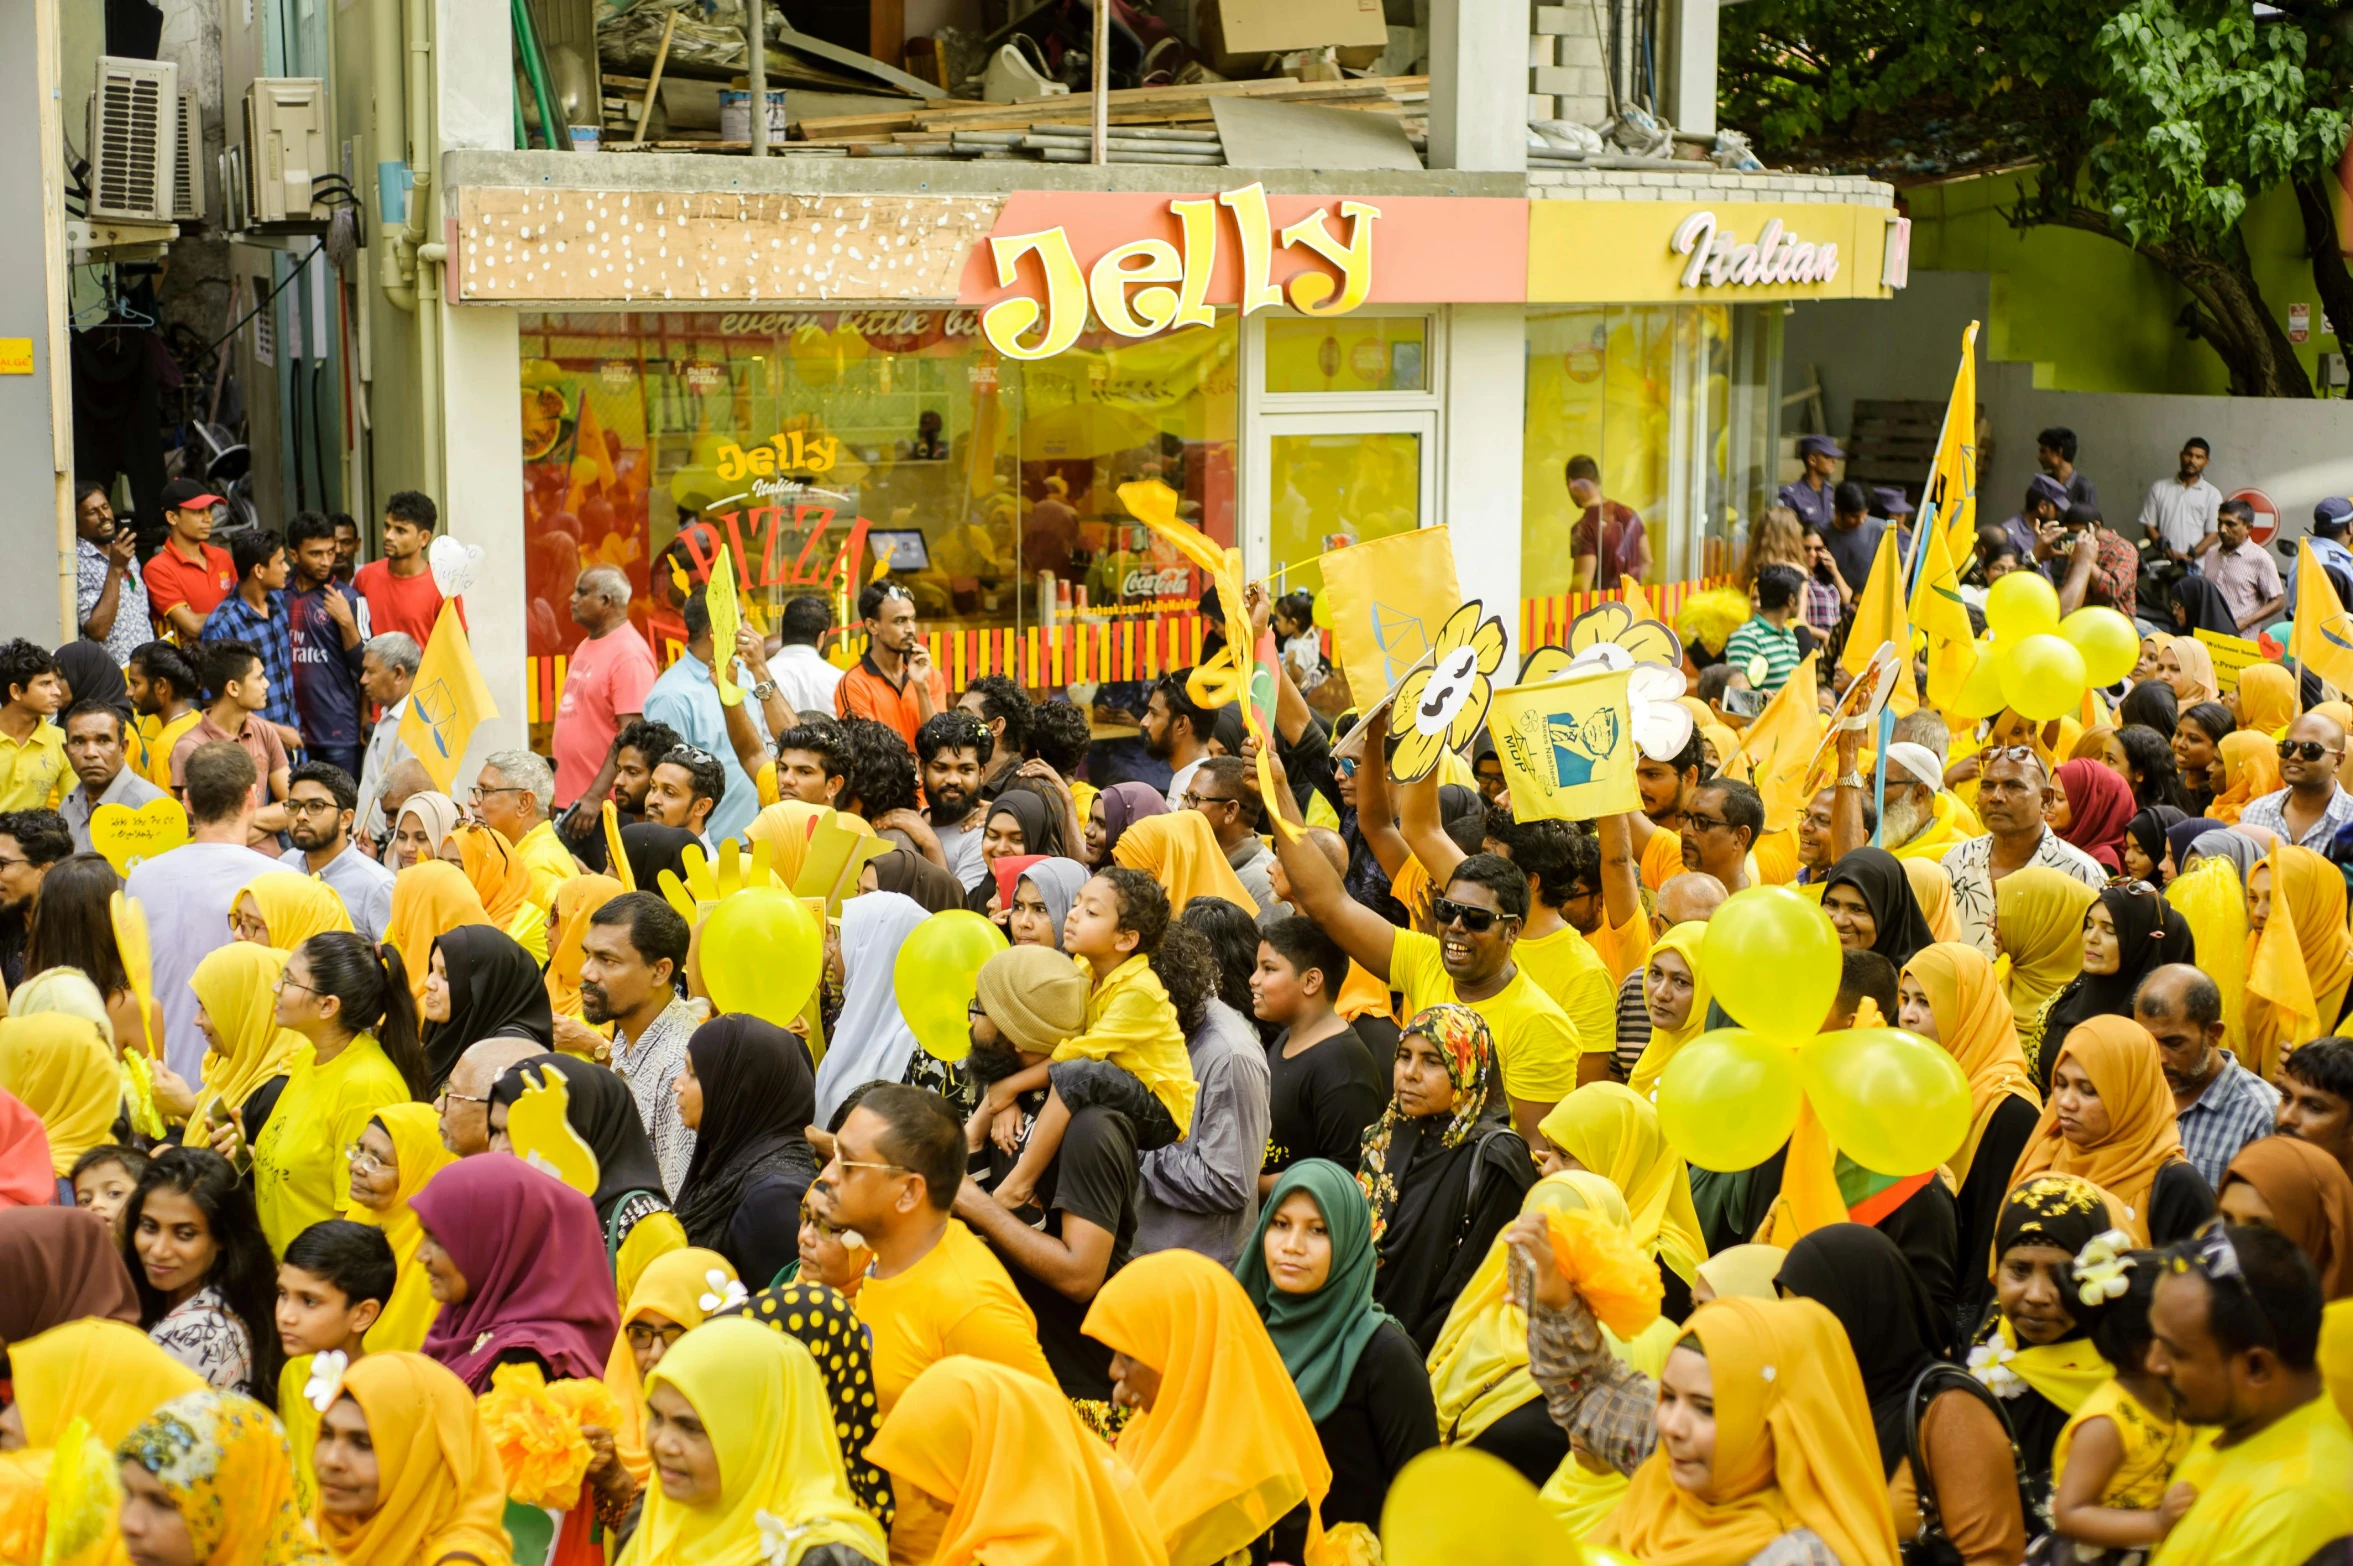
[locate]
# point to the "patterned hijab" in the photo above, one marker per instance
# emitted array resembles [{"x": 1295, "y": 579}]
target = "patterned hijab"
[
  {"x": 224, "y": 1462},
  {"x": 1468, "y": 1049},
  {"x": 843, "y": 1346}
]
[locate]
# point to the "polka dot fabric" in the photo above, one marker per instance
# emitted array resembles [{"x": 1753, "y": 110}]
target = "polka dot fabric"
[{"x": 822, "y": 1318}]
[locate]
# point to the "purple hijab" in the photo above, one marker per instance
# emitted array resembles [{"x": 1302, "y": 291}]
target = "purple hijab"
[
  {"x": 534, "y": 1260},
  {"x": 1125, "y": 804}
]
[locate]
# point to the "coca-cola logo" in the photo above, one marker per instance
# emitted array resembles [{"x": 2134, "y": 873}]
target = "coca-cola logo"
[{"x": 1170, "y": 583}]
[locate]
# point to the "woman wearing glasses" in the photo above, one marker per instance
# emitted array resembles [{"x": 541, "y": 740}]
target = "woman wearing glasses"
[{"x": 399, "y": 1151}]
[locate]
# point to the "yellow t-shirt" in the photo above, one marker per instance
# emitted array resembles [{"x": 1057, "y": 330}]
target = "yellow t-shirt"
[
  {"x": 156, "y": 739},
  {"x": 2271, "y": 1500},
  {"x": 2154, "y": 1445},
  {"x": 33, "y": 770},
  {"x": 299, "y": 1174},
  {"x": 1775, "y": 857},
  {"x": 1565, "y": 967},
  {"x": 529, "y": 928},
  {"x": 1132, "y": 1024},
  {"x": 302, "y": 1429},
  {"x": 1535, "y": 1042},
  {"x": 957, "y": 1300},
  {"x": 550, "y": 862},
  {"x": 1662, "y": 857}
]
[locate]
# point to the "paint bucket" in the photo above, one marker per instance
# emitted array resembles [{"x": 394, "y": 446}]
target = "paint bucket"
[{"x": 735, "y": 114}]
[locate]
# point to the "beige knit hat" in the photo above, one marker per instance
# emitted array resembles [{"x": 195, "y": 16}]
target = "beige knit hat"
[{"x": 1036, "y": 996}]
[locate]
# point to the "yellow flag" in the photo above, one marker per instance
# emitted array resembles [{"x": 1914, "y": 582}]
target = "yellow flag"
[
  {"x": 1938, "y": 611},
  {"x": 2323, "y": 638},
  {"x": 1567, "y": 747},
  {"x": 447, "y": 699},
  {"x": 1952, "y": 478},
  {"x": 1389, "y": 596},
  {"x": 1779, "y": 746},
  {"x": 2275, "y": 969},
  {"x": 1880, "y": 617},
  {"x": 726, "y": 618}
]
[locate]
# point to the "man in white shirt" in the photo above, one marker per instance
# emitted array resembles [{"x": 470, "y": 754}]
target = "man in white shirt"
[
  {"x": 387, "y": 669},
  {"x": 800, "y": 673},
  {"x": 2180, "y": 510},
  {"x": 634, "y": 947},
  {"x": 94, "y": 749},
  {"x": 1177, "y": 732},
  {"x": 2013, "y": 793}
]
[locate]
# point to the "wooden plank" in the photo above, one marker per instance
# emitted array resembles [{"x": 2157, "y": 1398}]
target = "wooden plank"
[{"x": 1148, "y": 103}]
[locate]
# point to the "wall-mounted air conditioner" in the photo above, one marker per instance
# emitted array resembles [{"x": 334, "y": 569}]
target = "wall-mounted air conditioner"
[
  {"x": 134, "y": 141},
  {"x": 275, "y": 170},
  {"x": 187, "y": 179}
]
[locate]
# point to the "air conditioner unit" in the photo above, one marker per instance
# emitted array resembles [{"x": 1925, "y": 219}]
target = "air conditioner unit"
[
  {"x": 187, "y": 181},
  {"x": 285, "y": 151},
  {"x": 134, "y": 140}
]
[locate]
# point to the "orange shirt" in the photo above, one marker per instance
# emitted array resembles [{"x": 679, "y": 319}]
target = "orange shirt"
[
  {"x": 1662, "y": 857},
  {"x": 866, "y": 692}
]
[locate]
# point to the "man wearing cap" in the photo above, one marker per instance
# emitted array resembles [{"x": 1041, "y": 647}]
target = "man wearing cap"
[
  {"x": 2046, "y": 501},
  {"x": 2240, "y": 570},
  {"x": 2330, "y": 519},
  {"x": 1853, "y": 534},
  {"x": 189, "y": 576},
  {"x": 2180, "y": 511},
  {"x": 1922, "y": 821},
  {"x": 1809, "y": 494}
]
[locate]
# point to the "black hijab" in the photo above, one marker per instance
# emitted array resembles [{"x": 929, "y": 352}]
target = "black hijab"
[
  {"x": 91, "y": 675},
  {"x": 2149, "y": 934},
  {"x": 2148, "y": 830},
  {"x": 1859, "y": 1276},
  {"x": 759, "y": 1096},
  {"x": 911, "y": 875},
  {"x": 1041, "y": 823},
  {"x": 599, "y": 1106},
  {"x": 652, "y": 849},
  {"x": 1876, "y": 873},
  {"x": 2152, "y": 705},
  {"x": 495, "y": 991},
  {"x": 2198, "y": 605}
]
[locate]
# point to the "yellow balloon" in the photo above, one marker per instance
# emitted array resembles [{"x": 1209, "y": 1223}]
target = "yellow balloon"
[
  {"x": 2022, "y": 604},
  {"x": 1458, "y": 1506},
  {"x": 1728, "y": 1099},
  {"x": 1981, "y": 693},
  {"x": 2110, "y": 643},
  {"x": 1322, "y": 613},
  {"x": 1772, "y": 959},
  {"x": 760, "y": 951},
  {"x": 938, "y": 974},
  {"x": 2042, "y": 676},
  {"x": 1891, "y": 1101}
]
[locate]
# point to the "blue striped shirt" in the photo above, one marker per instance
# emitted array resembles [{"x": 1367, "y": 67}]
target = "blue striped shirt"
[{"x": 271, "y": 635}]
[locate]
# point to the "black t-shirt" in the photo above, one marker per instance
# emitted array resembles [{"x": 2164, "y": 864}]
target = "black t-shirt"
[
  {"x": 1093, "y": 1177},
  {"x": 1321, "y": 1100}
]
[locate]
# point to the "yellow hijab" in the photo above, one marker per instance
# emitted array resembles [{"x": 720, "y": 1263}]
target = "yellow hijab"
[
  {"x": 1932, "y": 889},
  {"x": 2122, "y": 1060},
  {"x": 674, "y": 1285},
  {"x": 2250, "y": 770},
  {"x": 64, "y": 1072},
  {"x": 2303, "y": 949},
  {"x": 294, "y": 907},
  {"x": 236, "y": 986},
  {"x": 438, "y": 1481},
  {"x": 2210, "y": 899},
  {"x": 2267, "y": 699},
  {"x": 1025, "y": 1483},
  {"x": 1975, "y": 1025},
  {"x": 771, "y": 1427},
  {"x": 1613, "y": 1131},
  {"x": 103, "y": 1371},
  {"x": 415, "y": 1130},
  {"x": 2039, "y": 912},
  {"x": 1683, "y": 940},
  {"x": 1177, "y": 849},
  {"x": 1793, "y": 1448},
  {"x": 499, "y": 876},
  {"x": 575, "y": 900},
  {"x": 1227, "y": 1447},
  {"x": 225, "y": 1463},
  {"x": 1745, "y": 1272},
  {"x": 2197, "y": 671},
  {"x": 429, "y": 899}
]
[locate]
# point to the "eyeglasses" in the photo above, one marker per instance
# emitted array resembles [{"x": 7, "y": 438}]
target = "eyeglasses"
[
  {"x": 1700, "y": 823},
  {"x": 644, "y": 1335},
  {"x": 1195, "y": 801},
  {"x": 860, "y": 1163},
  {"x": 282, "y": 984},
  {"x": 2133, "y": 886},
  {"x": 452, "y": 1095},
  {"x": 1445, "y": 911},
  {"x": 2310, "y": 750},
  {"x": 480, "y": 793},
  {"x": 328, "y": 807},
  {"x": 361, "y": 1160}
]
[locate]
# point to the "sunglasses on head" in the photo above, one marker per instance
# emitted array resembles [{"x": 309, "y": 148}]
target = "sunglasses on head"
[
  {"x": 2310, "y": 750},
  {"x": 1445, "y": 911}
]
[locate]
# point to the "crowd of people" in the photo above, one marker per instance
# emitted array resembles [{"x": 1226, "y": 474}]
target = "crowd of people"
[{"x": 410, "y": 1199}]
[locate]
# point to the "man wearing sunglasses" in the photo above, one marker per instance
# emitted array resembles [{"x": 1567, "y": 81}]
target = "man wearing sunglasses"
[
  {"x": 2237, "y": 1320},
  {"x": 1722, "y": 822},
  {"x": 2311, "y": 809}
]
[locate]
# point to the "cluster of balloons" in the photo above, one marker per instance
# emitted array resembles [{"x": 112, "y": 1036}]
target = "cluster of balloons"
[
  {"x": 2037, "y": 664},
  {"x": 1891, "y": 1101}
]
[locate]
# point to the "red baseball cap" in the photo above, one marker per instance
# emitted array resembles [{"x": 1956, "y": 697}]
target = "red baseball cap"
[{"x": 185, "y": 494}]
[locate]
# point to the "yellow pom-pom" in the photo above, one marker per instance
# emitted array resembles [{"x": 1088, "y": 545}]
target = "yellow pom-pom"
[
  {"x": 538, "y": 1440},
  {"x": 1617, "y": 1282}
]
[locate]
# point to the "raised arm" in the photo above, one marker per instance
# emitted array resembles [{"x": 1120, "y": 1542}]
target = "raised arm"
[
  {"x": 1316, "y": 887},
  {"x": 1424, "y": 831},
  {"x": 1621, "y": 872},
  {"x": 1374, "y": 817}
]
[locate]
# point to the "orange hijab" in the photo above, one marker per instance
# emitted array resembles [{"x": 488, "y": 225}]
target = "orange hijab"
[
  {"x": 1976, "y": 1028},
  {"x": 2311, "y": 1203},
  {"x": 1178, "y": 850},
  {"x": 2250, "y": 770},
  {"x": 575, "y": 900},
  {"x": 429, "y": 899},
  {"x": 498, "y": 873},
  {"x": 438, "y": 1475},
  {"x": 2129, "y": 1075},
  {"x": 2302, "y": 950}
]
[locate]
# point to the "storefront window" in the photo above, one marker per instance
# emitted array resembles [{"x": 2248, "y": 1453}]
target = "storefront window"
[
  {"x": 1351, "y": 354},
  {"x": 1330, "y": 491},
  {"x": 816, "y": 443}
]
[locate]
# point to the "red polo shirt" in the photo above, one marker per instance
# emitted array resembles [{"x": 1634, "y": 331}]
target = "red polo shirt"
[{"x": 174, "y": 580}]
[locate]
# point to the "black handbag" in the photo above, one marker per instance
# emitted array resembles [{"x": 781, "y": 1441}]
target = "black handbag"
[{"x": 1930, "y": 1546}]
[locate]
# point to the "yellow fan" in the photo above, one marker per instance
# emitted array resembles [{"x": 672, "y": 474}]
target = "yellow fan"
[
  {"x": 1643, "y": 638},
  {"x": 619, "y": 860},
  {"x": 541, "y": 1132},
  {"x": 130, "y": 938},
  {"x": 84, "y": 1494},
  {"x": 705, "y": 884}
]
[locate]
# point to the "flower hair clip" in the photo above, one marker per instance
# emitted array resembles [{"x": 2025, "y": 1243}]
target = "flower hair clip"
[
  {"x": 1990, "y": 1363},
  {"x": 725, "y": 1292},
  {"x": 777, "y": 1537},
  {"x": 2101, "y": 1267},
  {"x": 326, "y": 1379}
]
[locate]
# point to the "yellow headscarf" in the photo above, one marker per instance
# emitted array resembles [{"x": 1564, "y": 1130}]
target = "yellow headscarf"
[
  {"x": 429, "y": 899},
  {"x": 771, "y": 1427},
  {"x": 103, "y": 1371},
  {"x": 1479, "y": 1367},
  {"x": 1684, "y": 941},
  {"x": 2121, "y": 1058},
  {"x": 1613, "y": 1131},
  {"x": 66, "y": 990},
  {"x": 2310, "y": 892},
  {"x": 1722, "y": 737},
  {"x": 2339, "y": 712},
  {"x": 1227, "y": 1448},
  {"x": 1932, "y": 889},
  {"x": 2267, "y": 699},
  {"x": 2213, "y": 903},
  {"x": 499, "y": 876},
  {"x": 63, "y": 1071},
  {"x": 673, "y": 1286},
  {"x": 2039, "y": 912},
  {"x": 1025, "y": 1483},
  {"x": 1745, "y": 1272},
  {"x": 224, "y": 1462},
  {"x": 235, "y": 984},
  {"x": 575, "y": 901},
  {"x": 2197, "y": 671},
  {"x": 1177, "y": 849},
  {"x": 1976, "y": 1028},
  {"x": 1793, "y": 1448},
  {"x": 415, "y": 1130},
  {"x": 439, "y": 1487},
  {"x": 2250, "y": 770},
  {"x": 294, "y": 907}
]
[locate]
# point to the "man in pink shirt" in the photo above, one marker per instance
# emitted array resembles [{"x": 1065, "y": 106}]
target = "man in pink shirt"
[{"x": 604, "y": 691}]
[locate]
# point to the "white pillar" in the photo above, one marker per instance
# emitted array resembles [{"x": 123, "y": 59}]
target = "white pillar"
[
  {"x": 1690, "y": 86},
  {"x": 1479, "y": 487},
  {"x": 1478, "y": 85},
  {"x": 482, "y": 434}
]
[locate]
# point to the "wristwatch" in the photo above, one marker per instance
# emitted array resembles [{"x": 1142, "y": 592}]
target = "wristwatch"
[
  {"x": 765, "y": 689},
  {"x": 1854, "y": 780}
]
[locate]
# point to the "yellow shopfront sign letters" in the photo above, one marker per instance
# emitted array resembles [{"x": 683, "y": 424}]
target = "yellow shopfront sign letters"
[{"x": 1642, "y": 252}]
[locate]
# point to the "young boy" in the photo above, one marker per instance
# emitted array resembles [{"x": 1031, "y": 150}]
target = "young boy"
[
  {"x": 332, "y": 1285},
  {"x": 1323, "y": 1087},
  {"x": 240, "y": 687},
  {"x": 1132, "y": 1056},
  {"x": 163, "y": 687},
  {"x": 104, "y": 1178}
]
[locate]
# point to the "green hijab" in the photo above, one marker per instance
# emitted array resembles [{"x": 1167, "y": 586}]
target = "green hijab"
[{"x": 1319, "y": 1335}]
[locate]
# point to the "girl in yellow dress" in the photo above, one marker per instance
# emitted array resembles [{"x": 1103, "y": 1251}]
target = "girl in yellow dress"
[{"x": 2114, "y": 1459}]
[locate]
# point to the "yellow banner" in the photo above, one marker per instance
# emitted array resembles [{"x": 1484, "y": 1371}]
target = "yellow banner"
[
  {"x": 2230, "y": 654},
  {"x": 1938, "y": 611},
  {"x": 447, "y": 700},
  {"x": 1567, "y": 747},
  {"x": 2323, "y": 638},
  {"x": 1717, "y": 252},
  {"x": 1389, "y": 596},
  {"x": 1781, "y": 743},
  {"x": 1952, "y": 478}
]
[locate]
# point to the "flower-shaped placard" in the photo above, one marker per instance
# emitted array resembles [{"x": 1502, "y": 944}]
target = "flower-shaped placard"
[
  {"x": 1443, "y": 707},
  {"x": 1643, "y": 639}
]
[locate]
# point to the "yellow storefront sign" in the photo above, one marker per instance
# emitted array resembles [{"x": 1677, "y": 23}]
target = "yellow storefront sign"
[{"x": 1729, "y": 252}]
